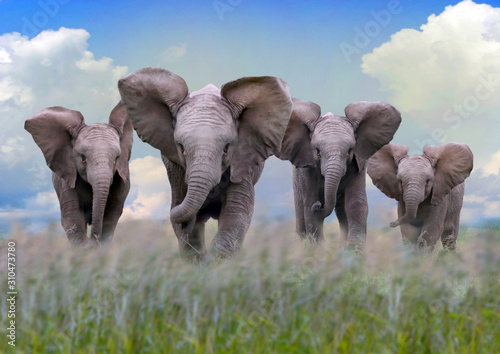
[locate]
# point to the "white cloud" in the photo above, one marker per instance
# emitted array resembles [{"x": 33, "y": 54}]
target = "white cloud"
[
  {"x": 11, "y": 149},
  {"x": 174, "y": 53},
  {"x": 443, "y": 62},
  {"x": 4, "y": 57},
  {"x": 493, "y": 166},
  {"x": 150, "y": 191}
]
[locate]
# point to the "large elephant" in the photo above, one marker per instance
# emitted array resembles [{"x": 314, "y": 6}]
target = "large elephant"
[
  {"x": 429, "y": 189},
  {"x": 213, "y": 143},
  {"x": 329, "y": 154},
  {"x": 90, "y": 169}
]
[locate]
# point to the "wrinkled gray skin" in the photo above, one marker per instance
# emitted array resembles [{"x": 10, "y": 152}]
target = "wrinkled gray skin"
[
  {"x": 329, "y": 154},
  {"x": 90, "y": 169},
  {"x": 214, "y": 144},
  {"x": 429, "y": 189}
]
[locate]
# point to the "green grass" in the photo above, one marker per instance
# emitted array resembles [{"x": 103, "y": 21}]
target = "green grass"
[{"x": 276, "y": 296}]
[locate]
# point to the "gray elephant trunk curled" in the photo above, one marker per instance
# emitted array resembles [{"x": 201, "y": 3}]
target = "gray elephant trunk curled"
[
  {"x": 333, "y": 174},
  {"x": 412, "y": 196},
  {"x": 200, "y": 183}
]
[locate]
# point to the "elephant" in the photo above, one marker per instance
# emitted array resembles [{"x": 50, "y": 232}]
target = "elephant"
[
  {"x": 90, "y": 171},
  {"x": 214, "y": 143},
  {"x": 329, "y": 155},
  {"x": 429, "y": 189}
]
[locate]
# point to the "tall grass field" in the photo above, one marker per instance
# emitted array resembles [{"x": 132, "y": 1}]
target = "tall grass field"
[{"x": 278, "y": 295}]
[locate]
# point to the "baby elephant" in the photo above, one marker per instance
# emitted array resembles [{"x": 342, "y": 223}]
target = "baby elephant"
[
  {"x": 428, "y": 187},
  {"x": 329, "y": 155},
  {"x": 90, "y": 169},
  {"x": 214, "y": 143}
]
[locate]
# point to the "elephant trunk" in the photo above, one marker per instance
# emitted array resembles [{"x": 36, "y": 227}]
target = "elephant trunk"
[
  {"x": 100, "y": 189},
  {"x": 200, "y": 183},
  {"x": 334, "y": 172},
  {"x": 412, "y": 197}
]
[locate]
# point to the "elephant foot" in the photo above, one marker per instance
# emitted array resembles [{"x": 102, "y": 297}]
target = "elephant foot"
[
  {"x": 224, "y": 248},
  {"x": 91, "y": 244},
  {"x": 310, "y": 238},
  {"x": 356, "y": 244},
  {"x": 192, "y": 255},
  {"x": 423, "y": 243}
]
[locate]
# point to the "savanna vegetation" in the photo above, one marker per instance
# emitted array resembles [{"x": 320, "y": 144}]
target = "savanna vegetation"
[{"x": 278, "y": 295}]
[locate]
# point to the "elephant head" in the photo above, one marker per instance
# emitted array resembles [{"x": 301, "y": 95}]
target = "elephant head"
[
  {"x": 332, "y": 142},
  {"x": 94, "y": 152},
  {"x": 413, "y": 179},
  {"x": 209, "y": 130}
]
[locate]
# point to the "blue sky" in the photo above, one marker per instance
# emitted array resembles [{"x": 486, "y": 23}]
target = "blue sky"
[{"x": 425, "y": 57}]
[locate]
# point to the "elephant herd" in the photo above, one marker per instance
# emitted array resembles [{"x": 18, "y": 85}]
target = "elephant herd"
[{"x": 214, "y": 143}]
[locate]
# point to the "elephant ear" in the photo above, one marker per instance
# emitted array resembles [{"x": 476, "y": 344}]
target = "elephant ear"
[
  {"x": 263, "y": 107},
  {"x": 53, "y": 130},
  {"x": 119, "y": 120},
  {"x": 453, "y": 163},
  {"x": 383, "y": 169},
  {"x": 296, "y": 145},
  {"x": 150, "y": 97},
  {"x": 377, "y": 122}
]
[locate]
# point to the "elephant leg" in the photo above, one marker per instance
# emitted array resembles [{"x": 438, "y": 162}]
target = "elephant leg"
[
  {"x": 235, "y": 216},
  {"x": 300, "y": 225},
  {"x": 356, "y": 206},
  {"x": 234, "y": 220},
  {"x": 410, "y": 233},
  {"x": 191, "y": 238},
  {"x": 342, "y": 216},
  {"x": 452, "y": 220},
  {"x": 433, "y": 227},
  {"x": 450, "y": 232},
  {"x": 114, "y": 207},
  {"x": 307, "y": 185},
  {"x": 313, "y": 224},
  {"x": 72, "y": 217},
  {"x": 449, "y": 237},
  {"x": 190, "y": 235}
]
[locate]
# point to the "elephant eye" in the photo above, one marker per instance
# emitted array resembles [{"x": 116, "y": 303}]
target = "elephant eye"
[
  {"x": 181, "y": 147},
  {"x": 350, "y": 151},
  {"x": 116, "y": 160},
  {"x": 83, "y": 157},
  {"x": 318, "y": 152},
  {"x": 226, "y": 148}
]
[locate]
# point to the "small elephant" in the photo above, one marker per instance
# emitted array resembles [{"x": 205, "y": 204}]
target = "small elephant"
[
  {"x": 214, "y": 144},
  {"x": 429, "y": 189},
  {"x": 90, "y": 169},
  {"x": 329, "y": 154}
]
